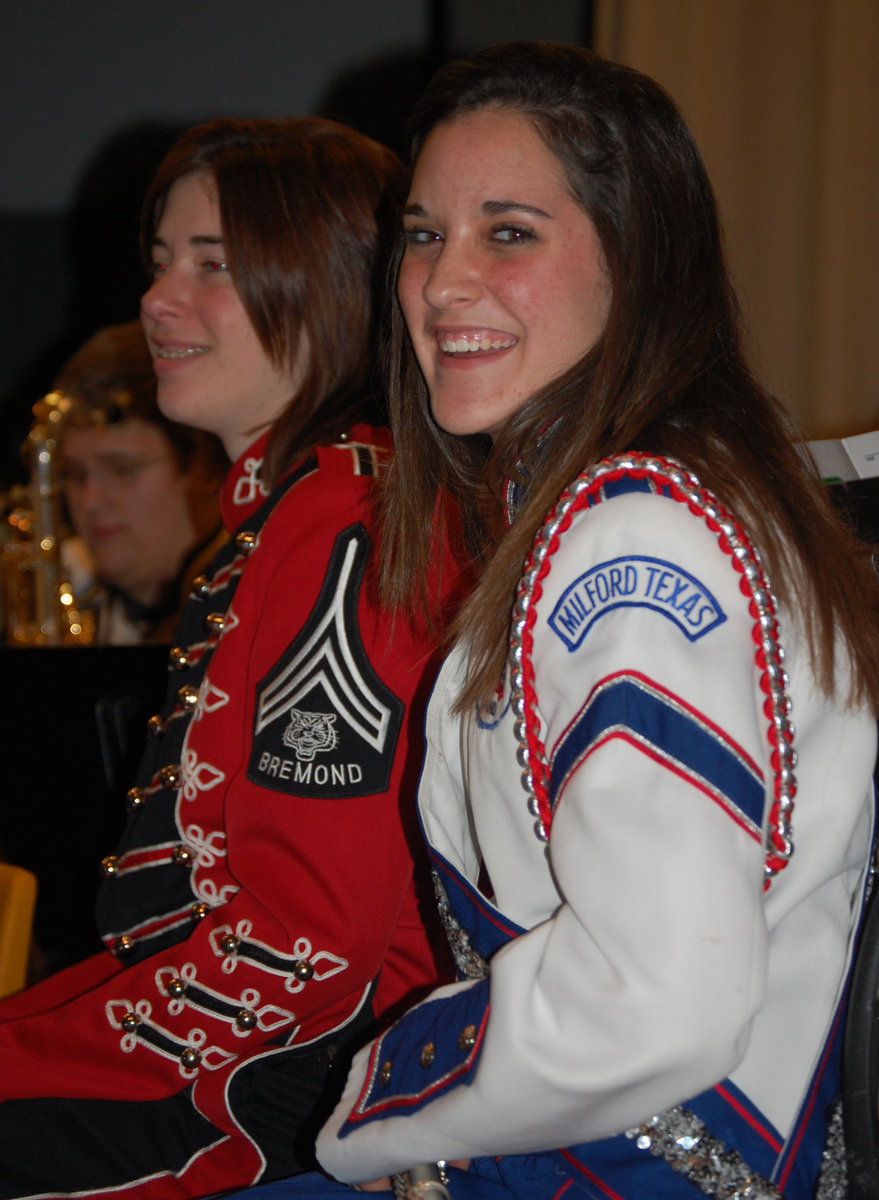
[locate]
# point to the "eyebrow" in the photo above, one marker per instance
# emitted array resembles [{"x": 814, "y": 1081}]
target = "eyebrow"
[
  {"x": 201, "y": 239},
  {"x": 102, "y": 456},
  {"x": 491, "y": 208}
]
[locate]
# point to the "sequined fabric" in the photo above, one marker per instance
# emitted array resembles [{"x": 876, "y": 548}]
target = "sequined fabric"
[
  {"x": 682, "y": 1140},
  {"x": 470, "y": 964}
]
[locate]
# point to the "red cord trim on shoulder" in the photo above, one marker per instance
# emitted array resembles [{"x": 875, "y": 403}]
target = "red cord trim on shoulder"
[{"x": 586, "y": 491}]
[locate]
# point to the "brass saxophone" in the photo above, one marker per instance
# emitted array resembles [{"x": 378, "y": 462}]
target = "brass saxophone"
[{"x": 39, "y": 606}]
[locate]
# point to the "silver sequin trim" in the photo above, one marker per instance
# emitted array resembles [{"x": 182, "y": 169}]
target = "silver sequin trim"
[
  {"x": 833, "y": 1176},
  {"x": 679, "y": 1137},
  {"x": 470, "y": 964},
  {"x": 682, "y": 1140}
]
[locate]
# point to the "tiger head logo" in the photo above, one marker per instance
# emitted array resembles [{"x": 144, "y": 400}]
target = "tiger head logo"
[{"x": 310, "y": 732}]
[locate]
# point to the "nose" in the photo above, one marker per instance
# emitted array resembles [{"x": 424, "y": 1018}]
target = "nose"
[
  {"x": 93, "y": 493},
  {"x": 454, "y": 278},
  {"x": 85, "y": 501},
  {"x": 165, "y": 295}
]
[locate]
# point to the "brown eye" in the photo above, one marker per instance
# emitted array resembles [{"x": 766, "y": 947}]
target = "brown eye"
[
  {"x": 421, "y": 237},
  {"x": 512, "y": 234}
]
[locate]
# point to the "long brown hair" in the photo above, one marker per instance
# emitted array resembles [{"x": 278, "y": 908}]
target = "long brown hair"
[
  {"x": 307, "y": 208},
  {"x": 667, "y": 377}
]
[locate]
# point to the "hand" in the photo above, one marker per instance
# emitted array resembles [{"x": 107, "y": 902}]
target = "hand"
[{"x": 384, "y": 1185}]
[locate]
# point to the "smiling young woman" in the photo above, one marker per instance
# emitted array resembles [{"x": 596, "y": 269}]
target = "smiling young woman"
[
  {"x": 502, "y": 281},
  {"x": 212, "y": 370},
  {"x": 664, "y": 683},
  {"x": 263, "y": 912}
]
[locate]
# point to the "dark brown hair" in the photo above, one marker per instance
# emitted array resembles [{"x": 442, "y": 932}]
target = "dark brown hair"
[
  {"x": 667, "y": 376},
  {"x": 110, "y": 379},
  {"x": 307, "y": 208}
]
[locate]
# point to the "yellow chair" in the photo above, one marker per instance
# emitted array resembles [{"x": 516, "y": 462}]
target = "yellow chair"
[{"x": 18, "y": 894}]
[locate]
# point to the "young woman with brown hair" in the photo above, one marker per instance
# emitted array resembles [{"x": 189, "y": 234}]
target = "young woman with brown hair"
[
  {"x": 664, "y": 684},
  {"x": 261, "y": 913}
]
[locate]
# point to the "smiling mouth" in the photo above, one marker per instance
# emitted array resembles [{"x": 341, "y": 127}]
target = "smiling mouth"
[
  {"x": 481, "y": 343},
  {"x": 188, "y": 352}
]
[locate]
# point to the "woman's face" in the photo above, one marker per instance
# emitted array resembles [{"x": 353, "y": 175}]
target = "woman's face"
[
  {"x": 502, "y": 283},
  {"x": 211, "y": 368}
]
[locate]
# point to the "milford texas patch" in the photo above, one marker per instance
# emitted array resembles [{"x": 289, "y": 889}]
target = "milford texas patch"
[
  {"x": 325, "y": 724},
  {"x": 635, "y": 581}
]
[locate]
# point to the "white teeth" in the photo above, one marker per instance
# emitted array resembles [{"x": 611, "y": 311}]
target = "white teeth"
[
  {"x": 189, "y": 352},
  {"x": 464, "y": 346}
]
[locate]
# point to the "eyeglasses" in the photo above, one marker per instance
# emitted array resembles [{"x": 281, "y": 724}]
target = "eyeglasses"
[{"x": 113, "y": 474}]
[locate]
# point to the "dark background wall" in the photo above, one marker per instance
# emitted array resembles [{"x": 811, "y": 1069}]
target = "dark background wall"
[{"x": 92, "y": 92}]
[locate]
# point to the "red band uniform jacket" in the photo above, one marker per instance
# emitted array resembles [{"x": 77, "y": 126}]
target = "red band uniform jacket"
[{"x": 260, "y": 910}]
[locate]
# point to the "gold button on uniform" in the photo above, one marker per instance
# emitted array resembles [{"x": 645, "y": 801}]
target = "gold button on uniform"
[
  {"x": 171, "y": 776},
  {"x": 385, "y": 1074},
  {"x": 467, "y": 1038},
  {"x": 155, "y": 726},
  {"x": 428, "y": 1054},
  {"x": 215, "y": 622}
]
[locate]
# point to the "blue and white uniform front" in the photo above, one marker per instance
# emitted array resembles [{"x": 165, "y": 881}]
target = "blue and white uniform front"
[{"x": 640, "y": 967}]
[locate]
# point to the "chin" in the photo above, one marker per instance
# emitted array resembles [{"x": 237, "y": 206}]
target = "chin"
[
  {"x": 466, "y": 421},
  {"x": 176, "y": 400},
  {"x": 457, "y": 424}
]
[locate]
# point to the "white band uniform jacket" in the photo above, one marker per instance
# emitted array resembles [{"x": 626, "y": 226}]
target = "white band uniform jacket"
[
  {"x": 261, "y": 904},
  {"x": 637, "y": 962}
]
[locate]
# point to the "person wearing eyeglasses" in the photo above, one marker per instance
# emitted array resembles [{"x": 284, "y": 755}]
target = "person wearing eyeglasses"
[{"x": 141, "y": 491}]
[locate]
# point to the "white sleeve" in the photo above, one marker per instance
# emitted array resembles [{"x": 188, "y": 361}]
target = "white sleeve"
[{"x": 635, "y": 988}]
